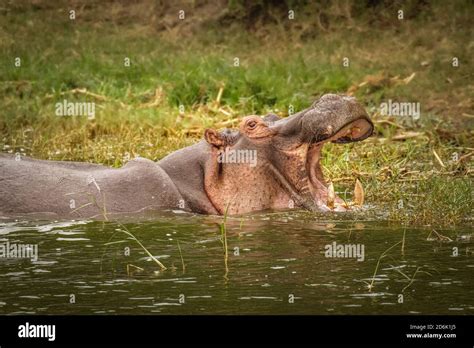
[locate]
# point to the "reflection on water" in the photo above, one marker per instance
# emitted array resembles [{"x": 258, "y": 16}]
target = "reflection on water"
[{"x": 279, "y": 263}]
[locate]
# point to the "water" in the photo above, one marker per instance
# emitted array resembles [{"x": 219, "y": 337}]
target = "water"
[{"x": 280, "y": 267}]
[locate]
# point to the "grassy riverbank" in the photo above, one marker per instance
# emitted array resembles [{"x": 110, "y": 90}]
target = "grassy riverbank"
[{"x": 419, "y": 170}]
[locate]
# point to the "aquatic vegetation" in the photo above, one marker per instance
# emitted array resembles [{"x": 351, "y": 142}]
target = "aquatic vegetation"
[
  {"x": 223, "y": 239},
  {"x": 370, "y": 285},
  {"x": 124, "y": 230},
  {"x": 385, "y": 254},
  {"x": 181, "y": 256}
]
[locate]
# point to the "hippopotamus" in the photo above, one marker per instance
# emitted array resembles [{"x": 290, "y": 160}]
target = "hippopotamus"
[{"x": 268, "y": 163}]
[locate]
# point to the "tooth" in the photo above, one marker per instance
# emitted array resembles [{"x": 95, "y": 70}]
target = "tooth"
[
  {"x": 358, "y": 193},
  {"x": 331, "y": 196},
  {"x": 340, "y": 207}
]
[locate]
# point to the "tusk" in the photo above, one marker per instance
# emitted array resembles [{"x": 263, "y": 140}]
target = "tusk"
[
  {"x": 358, "y": 193},
  {"x": 331, "y": 196}
]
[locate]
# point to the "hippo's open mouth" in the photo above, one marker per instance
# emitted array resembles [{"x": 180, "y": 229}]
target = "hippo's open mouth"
[{"x": 354, "y": 131}]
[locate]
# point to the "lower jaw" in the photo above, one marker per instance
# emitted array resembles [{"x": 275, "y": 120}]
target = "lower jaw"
[{"x": 319, "y": 189}]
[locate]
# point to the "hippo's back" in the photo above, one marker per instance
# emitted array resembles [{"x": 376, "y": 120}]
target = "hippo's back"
[{"x": 82, "y": 190}]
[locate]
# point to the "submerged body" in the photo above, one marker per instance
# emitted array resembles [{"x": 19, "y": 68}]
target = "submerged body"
[
  {"x": 268, "y": 163},
  {"x": 82, "y": 189}
]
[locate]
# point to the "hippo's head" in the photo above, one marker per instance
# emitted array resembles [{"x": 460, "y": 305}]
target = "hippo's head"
[{"x": 273, "y": 163}]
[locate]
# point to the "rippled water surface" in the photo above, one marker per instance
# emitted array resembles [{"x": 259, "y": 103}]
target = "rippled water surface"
[{"x": 276, "y": 264}]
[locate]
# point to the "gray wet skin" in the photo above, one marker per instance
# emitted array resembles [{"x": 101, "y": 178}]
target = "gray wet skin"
[{"x": 267, "y": 163}]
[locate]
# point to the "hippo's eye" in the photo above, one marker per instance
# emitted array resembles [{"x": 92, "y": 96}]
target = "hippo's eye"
[{"x": 251, "y": 125}]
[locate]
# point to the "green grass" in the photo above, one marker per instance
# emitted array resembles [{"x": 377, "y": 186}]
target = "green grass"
[{"x": 276, "y": 71}]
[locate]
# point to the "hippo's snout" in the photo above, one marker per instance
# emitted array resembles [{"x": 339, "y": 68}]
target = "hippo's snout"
[{"x": 340, "y": 119}]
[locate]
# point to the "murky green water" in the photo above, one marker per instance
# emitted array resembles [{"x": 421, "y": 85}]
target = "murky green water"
[{"x": 277, "y": 264}]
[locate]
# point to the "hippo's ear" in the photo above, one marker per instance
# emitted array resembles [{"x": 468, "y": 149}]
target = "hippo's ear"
[{"x": 214, "y": 138}]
